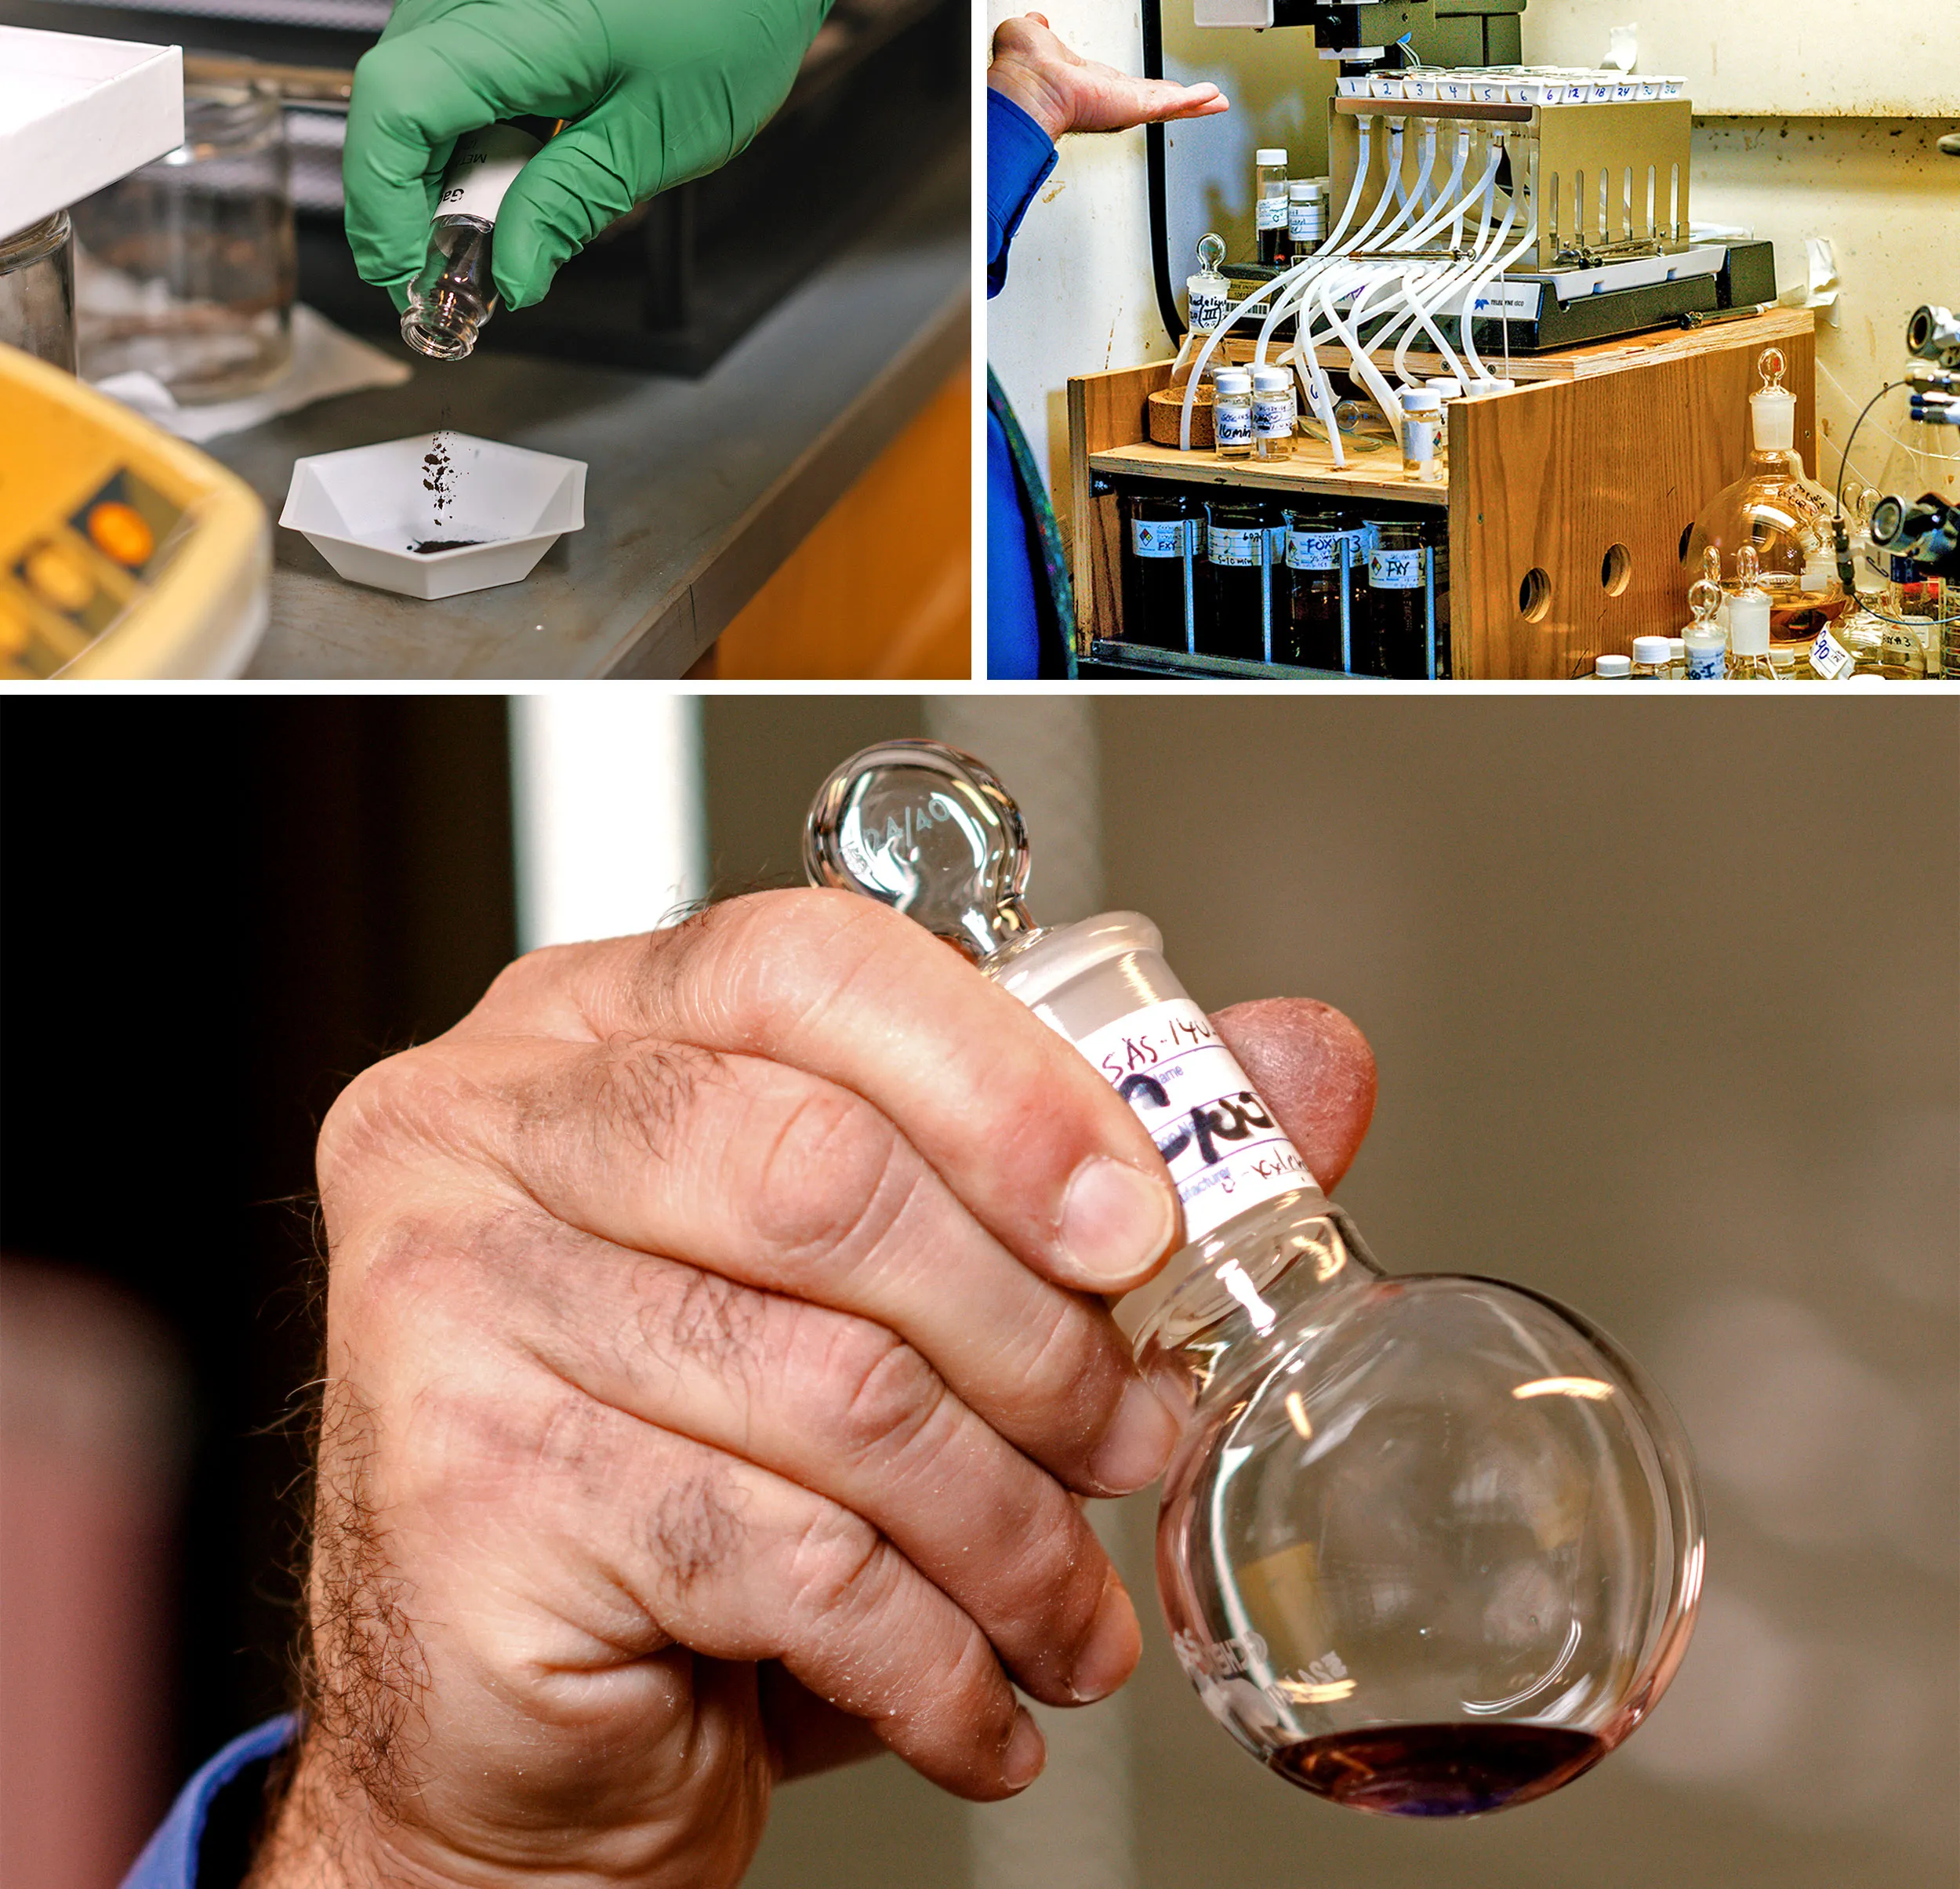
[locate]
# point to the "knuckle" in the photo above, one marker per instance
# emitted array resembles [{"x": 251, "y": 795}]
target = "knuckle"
[
  {"x": 642, "y": 1091},
  {"x": 696, "y": 1526},
  {"x": 702, "y": 1317},
  {"x": 888, "y": 1397},
  {"x": 835, "y": 1174},
  {"x": 391, "y": 1108},
  {"x": 839, "y": 1568}
]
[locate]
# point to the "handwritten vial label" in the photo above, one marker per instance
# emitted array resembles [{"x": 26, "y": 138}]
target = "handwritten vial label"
[
  {"x": 1395, "y": 570},
  {"x": 1305, "y": 223},
  {"x": 1272, "y": 414},
  {"x": 1830, "y": 659},
  {"x": 1225, "y": 1151},
  {"x": 1271, "y": 214},
  {"x": 1321, "y": 550},
  {"x": 1231, "y": 421},
  {"x": 1163, "y": 537},
  {"x": 1231, "y": 545},
  {"x": 1207, "y": 311},
  {"x": 1706, "y": 664},
  {"x": 485, "y": 164}
]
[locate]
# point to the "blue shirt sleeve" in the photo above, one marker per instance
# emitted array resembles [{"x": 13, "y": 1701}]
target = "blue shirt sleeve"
[
  {"x": 169, "y": 1860},
  {"x": 1019, "y": 155}
]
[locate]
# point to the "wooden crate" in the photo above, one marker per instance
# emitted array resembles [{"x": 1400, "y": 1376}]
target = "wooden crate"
[{"x": 1573, "y": 492}]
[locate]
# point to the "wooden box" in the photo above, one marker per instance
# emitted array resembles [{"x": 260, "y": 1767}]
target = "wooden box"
[{"x": 1569, "y": 499}]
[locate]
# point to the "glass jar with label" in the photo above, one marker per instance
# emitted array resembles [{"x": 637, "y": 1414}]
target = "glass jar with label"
[
  {"x": 1232, "y": 412},
  {"x": 1320, "y": 543},
  {"x": 1407, "y": 632},
  {"x": 1164, "y": 566},
  {"x": 1244, "y": 545},
  {"x": 1269, "y": 208},
  {"x": 1274, "y": 412}
]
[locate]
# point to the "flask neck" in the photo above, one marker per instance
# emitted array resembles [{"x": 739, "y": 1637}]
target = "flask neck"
[{"x": 1248, "y": 1292}]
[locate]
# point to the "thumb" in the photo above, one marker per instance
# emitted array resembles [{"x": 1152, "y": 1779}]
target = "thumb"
[
  {"x": 1316, "y": 1070},
  {"x": 564, "y": 196}
]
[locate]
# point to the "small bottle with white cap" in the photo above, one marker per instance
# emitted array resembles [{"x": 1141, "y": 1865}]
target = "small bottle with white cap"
[
  {"x": 1232, "y": 412},
  {"x": 1677, "y": 659},
  {"x": 1269, "y": 205},
  {"x": 1421, "y": 422},
  {"x": 1749, "y": 624},
  {"x": 1306, "y": 216},
  {"x": 1273, "y": 412},
  {"x": 1650, "y": 659},
  {"x": 1611, "y": 668}
]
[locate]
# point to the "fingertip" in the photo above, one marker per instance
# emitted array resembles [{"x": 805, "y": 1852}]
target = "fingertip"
[
  {"x": 1025, "y": 1754},
  {"x": 1314, "y": 1068}
]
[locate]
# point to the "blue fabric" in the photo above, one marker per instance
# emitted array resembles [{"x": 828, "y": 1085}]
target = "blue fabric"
[
  {"x": 1019, "y": 155},
  {"x": 1014, "y": 630},
  {"x": 169, "y": 1860}
]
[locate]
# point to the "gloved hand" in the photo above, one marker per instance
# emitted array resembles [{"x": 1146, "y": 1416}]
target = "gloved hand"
[{"x": 663, "y": 90}]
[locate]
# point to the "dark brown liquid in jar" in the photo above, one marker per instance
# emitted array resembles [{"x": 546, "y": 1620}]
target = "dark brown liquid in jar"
[
  {"x": 1399, "y": 602},
  {"x": 1439, "y": 1770},
  {"x": 1158, "y": 530},
  {"x": 1312, "y": 584},
  {"x": 1244, "y": 546}
]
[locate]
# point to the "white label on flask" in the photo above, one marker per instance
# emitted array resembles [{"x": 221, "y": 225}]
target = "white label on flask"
[
  {"x": 1233, "y": 422},
  {"x": 484, "y": 165},
  {"x": 1163, "y": 537},
  {"x": 1272, "y": 414},
  {"x": 1225, "y": 1151},
  {"x": 1271, "y": 213},
  {"x": 1321, "y": 550},
  {"x": 1231, "y": 545},
  {"x": 1706, "y": 664},
  {"x": 1829, "y": 658},
  {"x": 1395, "y": 570}
]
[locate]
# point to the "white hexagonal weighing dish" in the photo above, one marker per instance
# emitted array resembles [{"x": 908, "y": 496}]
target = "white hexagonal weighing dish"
[{"x": 363, "y": 509}]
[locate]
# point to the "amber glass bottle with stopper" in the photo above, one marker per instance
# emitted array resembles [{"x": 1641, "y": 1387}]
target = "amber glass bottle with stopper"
[{"x": 1429, "y": 1545}]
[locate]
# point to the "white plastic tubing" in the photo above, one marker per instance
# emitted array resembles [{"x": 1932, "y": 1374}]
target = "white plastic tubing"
[{"x": 1314, "y": 290}]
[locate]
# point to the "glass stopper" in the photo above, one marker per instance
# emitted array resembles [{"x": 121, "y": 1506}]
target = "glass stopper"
[
  {"x": 1210, "y": 252},
  {"x": 1748, "y": 567},
  {"x": 1705, "y": 598},
  {"x": 1769, "y": 365},
  {"x": 929, "y": 831}
]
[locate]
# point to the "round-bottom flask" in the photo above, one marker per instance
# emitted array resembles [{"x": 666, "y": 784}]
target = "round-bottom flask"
[{"x": 1429, "y": 1545}]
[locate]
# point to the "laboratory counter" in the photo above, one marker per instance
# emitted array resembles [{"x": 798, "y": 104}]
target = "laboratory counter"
[{"x": 697, "y": 490}]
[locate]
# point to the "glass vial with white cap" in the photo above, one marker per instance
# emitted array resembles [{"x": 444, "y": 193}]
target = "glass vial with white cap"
[
  {"x": 1306, "y": 216},
  {"x": 456, "y": 293},
  {"x": 1232, "y": 412},
  {"x": 1421, "y": 424},
  {"x": 1651, "y": 657},
  {"x": 1274, "y": 412},
  {"x": 1429, "y": 1545},
  {"x": 1269, "y": 205}
]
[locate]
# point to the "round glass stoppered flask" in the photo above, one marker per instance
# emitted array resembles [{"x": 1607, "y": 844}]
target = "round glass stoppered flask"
[{"x": 1429, "y": 1545}]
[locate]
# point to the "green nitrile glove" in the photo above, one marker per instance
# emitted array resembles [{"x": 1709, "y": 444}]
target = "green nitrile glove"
[{"x": 663, "y": 90}]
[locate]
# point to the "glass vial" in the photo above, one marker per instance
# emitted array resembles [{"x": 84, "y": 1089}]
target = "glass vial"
[
  {"x": 456, "y": 293},
  {"x": 1421, "y": 423},
  {"x": 1242, "y": 541},
  {"x": 1274, "y": 412},
  {"x": 1269, "y": 206},
  {"x": 1612, "y": 668},
  {"x": 1326, "y": 570},
  {"x": 1651, "y": 658},
  {"x": 1399, "y": 588},
  {"x": 1163, "y": 569},
  {"x": 1231, "y": 413},
  {"x": 1306, "y": 216},
  {"x": 37, "y": 291}
]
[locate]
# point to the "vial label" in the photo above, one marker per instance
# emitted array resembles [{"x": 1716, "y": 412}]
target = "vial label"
[
  {"x": 1271, "y": 214},
  {"x": 1272, "y": 414},
  {"x": 1304, "y": 223},
  {"x": 1418, "y": 442},
  {"x": 1829, "y": 658},
  {"x": 1395, "y": 570},
  {"x": 485, "y": 164},
  {"x": 1232, "y": 424},
  {"x": 1163, "y": 537},
  {"x": 1208, "y": 310},
  {"x": 1225, "y": 1151},
  {"x": 1707, "y": 665},
  {"x": 1230, "y": 544}
]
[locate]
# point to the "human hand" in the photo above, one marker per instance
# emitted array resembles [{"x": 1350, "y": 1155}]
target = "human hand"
[
  {"x": 715, "y": 1338},
  {"x": 662, "y": 90},
  {"x": 1061, "y": 91}
]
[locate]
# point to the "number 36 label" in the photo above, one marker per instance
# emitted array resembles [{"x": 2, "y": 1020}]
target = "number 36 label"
[{"x": 1224, "y": 1150}]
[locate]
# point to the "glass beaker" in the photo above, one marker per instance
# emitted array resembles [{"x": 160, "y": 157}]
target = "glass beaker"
[
  {"x": 1164, "y": 563},
  {"x": 37, "y": 291},
  {"x": 188, "y": 268}
]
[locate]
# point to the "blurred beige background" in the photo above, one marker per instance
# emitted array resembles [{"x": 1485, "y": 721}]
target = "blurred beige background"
[{"x": 1666, "y": 998}]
